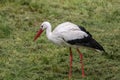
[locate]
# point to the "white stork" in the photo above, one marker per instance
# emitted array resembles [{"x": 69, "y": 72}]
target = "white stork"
[{"x": 71, "y": 35}]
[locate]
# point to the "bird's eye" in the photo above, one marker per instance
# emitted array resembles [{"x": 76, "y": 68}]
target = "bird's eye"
[{"x": 42, "y": 26}]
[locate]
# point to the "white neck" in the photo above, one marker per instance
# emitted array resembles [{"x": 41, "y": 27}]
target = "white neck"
[{"x": 48, "y": 32}]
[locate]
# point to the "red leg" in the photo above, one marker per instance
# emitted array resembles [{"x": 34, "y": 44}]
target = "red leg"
[
  {"x": 71, "y": 58},
  {"x": 81, "y": 59}
]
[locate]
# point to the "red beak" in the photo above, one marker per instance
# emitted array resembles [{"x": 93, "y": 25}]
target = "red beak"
[{"x": 38, "y": 34}]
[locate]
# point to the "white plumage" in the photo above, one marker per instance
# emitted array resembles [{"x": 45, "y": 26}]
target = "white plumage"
[
  {"x": 69, "y": 31},
  {"x": 71, "y": 35},
  {"x": 64, "y": 32}
]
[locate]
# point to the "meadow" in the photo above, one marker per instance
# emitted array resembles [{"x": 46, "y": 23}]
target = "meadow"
[{"x": 23, "y": 59}]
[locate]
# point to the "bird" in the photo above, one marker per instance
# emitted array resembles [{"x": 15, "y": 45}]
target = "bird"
[{"x": 70, "y": 35}]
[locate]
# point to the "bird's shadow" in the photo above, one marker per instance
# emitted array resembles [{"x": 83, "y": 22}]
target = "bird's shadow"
[{"x": 112, "y": 56}]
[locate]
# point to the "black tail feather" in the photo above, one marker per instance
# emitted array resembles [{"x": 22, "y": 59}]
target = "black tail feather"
[
  {"x": 87, "y": 42},
  {"x": 94, "y": 44}
]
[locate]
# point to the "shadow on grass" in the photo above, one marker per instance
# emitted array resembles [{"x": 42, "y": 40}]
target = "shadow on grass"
[{"x": 112, "y": 56}]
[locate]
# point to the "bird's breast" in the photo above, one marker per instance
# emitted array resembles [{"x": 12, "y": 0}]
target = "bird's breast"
[{"x": 56, "y": 39}]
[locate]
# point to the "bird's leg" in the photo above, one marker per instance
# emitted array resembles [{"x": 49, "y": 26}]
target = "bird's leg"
[
  {"x": 71, "y": 58},
  {"x": 81, "y": 59}
]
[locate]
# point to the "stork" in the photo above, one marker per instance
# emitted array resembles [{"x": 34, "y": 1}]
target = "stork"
[{"x": 71, "y": 35}]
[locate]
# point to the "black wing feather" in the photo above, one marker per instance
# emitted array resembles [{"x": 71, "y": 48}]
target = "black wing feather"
[
  {"x": 83, "y": 29},
  {"x": 87, "y": 42}
]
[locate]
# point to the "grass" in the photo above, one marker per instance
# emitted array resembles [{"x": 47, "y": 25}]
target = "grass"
[{"x": 23, "y": 59}]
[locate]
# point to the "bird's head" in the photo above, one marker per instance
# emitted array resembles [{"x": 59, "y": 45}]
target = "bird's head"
[{"x": 43, "y": 26}]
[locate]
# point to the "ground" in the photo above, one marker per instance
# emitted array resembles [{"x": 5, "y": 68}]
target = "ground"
[{"x": 23, "y": 59}]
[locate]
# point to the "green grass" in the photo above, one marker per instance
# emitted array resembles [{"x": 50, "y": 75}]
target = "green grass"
[{"x": 23, "y": 59}]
